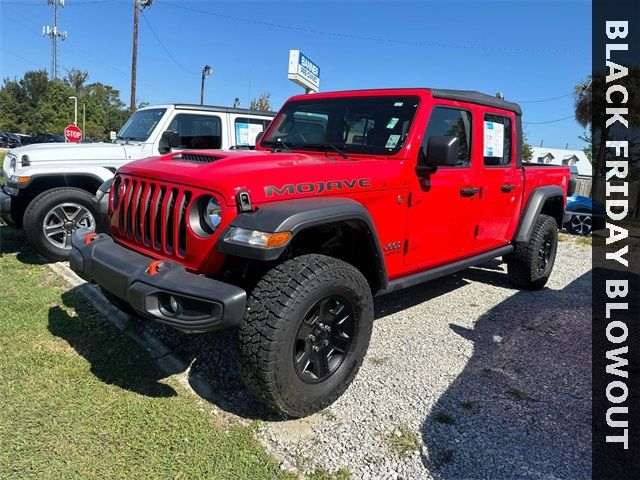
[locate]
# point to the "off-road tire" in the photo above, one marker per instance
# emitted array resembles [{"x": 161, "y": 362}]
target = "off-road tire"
[
  {"x": 38, "y": 209},
  {"x": 275, "y": 311},
  {"x": 523, "y": 263}
]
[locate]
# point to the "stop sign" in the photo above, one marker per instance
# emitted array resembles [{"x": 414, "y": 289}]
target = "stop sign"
[{"x": 73, "y": 134}]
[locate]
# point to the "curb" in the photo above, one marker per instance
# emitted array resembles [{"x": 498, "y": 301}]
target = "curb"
[{"x": 167, "y": 360}]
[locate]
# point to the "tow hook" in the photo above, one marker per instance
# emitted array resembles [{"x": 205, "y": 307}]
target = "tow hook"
[{"x": 154, "y": 267}]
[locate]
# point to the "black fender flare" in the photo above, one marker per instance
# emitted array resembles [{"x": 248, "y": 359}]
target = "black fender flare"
[
  {"x": 300, "y": 214},
  {"x": 537, "y": 199}
]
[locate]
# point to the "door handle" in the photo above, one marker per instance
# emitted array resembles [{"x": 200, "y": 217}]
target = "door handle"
[
  {"x": 469, "y": 191},
  {"x": 507, "y": 187}
]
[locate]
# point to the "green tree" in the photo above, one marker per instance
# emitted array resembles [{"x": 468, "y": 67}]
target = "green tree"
[
  {"x": 36, "y": 103},
  {"x": 76, "y": 78},
  {"x": 527, "y": 149},
  {"x": 588, "y": 150},
  {"x": 263, "y": 102}
]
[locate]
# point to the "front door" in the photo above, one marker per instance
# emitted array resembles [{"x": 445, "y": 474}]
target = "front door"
[
  {"x": 501, "y": 182},
  {"x": 443, "y": 206}
]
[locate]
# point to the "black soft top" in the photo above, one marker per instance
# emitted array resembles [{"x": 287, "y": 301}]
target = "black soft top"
[{"x": 475, "y": 97}]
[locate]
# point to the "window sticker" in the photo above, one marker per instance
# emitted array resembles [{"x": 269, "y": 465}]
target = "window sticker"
[
  {"x": 398, "y": 104},
  {"x": 246, "y": 134},
  {"x": 493, "y": 139},
  {"x": 392, "y": 123},
  {"x": 392, "y": 141}
]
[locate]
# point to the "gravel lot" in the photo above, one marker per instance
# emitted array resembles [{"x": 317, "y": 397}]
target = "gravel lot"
[{"x": 465, "y": 378}]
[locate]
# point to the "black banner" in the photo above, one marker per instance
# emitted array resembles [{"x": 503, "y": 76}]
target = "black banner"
[{"x": 615, "y": 115}]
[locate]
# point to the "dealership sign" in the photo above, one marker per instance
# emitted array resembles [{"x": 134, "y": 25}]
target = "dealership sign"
[
  {"x": 73, "y": 134},
  {"x": 303, "y": 72}
]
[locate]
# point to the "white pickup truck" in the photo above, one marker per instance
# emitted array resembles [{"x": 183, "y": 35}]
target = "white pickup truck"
[{"x": 48, "y": 189}]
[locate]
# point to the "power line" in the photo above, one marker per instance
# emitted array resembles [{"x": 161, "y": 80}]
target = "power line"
[
  {"x": 368, "y": 38},
  {"x": 22, "y": 58},
  {"x": 550, "y": 121},
  {"x": 38, "y": 3},
  {"x": 545, "y": 99},
  {"x": 144, "y": 16}
]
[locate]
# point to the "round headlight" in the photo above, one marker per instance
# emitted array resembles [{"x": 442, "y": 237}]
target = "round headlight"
[{"x": 213, "y": 214}]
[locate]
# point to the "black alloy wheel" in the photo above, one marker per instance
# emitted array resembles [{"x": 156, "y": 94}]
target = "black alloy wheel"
[{"x": 323, "y": 339}]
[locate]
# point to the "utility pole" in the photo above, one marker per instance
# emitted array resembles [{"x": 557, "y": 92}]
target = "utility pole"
[
  {"x": 206, "y": 71},
  {"x": 54, "y": 34},
  {"x": 84, "y": 116},
  {"x": 134, "y": 56},
  {"x": 137, "y": 6}
]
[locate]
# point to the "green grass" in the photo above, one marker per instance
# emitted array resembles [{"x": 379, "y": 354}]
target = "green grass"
[
  {"x": 403, "y": 441},
  {"x": 516, "y": 394},
  {"x": 378, "y": 361},
  {"x": 80, "y": 399},
  {"x": 322, "y": 474},
  {"x": 445, "y": 418},
  {"x": 468, "y": 404}
]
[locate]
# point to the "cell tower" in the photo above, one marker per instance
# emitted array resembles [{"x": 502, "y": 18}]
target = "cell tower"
[{"x": 54, "y": 34}]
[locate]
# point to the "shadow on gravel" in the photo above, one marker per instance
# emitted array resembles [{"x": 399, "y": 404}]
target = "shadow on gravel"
[
  {"x": 213, "y": 355},
  {"x": 15, "y": 241},
  {"x": 115, "y": 358},
  {"x": 521, "y": 408}
]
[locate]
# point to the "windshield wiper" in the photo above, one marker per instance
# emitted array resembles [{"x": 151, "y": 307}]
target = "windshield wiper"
[
  {"x": 324, "y": 146},
  {"x": 336, "y": 149}
]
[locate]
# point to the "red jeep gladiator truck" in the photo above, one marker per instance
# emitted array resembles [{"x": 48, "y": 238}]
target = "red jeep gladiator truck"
[{"x": 347, "y": 195}]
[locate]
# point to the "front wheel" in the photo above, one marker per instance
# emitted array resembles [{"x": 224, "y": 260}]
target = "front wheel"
[
  {"x": 53, "y": 216},
  {"x": 530, "y": 264},
  {"x": 305, "y": 333}
]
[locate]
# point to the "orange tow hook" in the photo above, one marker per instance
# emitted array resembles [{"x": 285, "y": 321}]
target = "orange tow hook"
[
  {"x": 89, "y": 238},
  {"x": 154, "y": 267}
]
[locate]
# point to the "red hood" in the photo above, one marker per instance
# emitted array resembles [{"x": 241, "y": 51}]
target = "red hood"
[{"x": 290, "y": 174}]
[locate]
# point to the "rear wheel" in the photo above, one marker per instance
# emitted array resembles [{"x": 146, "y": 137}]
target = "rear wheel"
[
  {"x": 531, "y": 263},
  {"x": 305, "y": 333},
  {"x": 53, "y": 216}
]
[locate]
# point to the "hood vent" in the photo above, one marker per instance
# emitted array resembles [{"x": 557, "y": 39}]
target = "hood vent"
[{"x": 196, "y": 157}]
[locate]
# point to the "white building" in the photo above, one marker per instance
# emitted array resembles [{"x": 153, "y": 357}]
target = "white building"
[{"x": 560, "y": 156}]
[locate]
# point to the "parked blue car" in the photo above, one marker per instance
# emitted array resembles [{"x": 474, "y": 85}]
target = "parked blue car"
[{"x": 582, "y": 214}]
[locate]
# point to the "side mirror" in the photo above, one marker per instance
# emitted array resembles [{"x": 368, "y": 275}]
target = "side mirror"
[
  {"x": 168, "y": 140},
  {"x": 441, "y": 152},
  {"x": 259, "y": 137}
]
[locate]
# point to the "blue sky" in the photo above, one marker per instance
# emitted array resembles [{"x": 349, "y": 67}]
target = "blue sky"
[{"x": 530, "y": 51}]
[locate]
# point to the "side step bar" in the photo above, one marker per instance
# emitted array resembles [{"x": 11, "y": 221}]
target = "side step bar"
[{"x": 444, "y": 270}]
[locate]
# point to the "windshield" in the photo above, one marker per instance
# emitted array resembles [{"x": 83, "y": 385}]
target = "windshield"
[
  {"x": 372, "y": 125},
  {"x": 140, "y": 125}
]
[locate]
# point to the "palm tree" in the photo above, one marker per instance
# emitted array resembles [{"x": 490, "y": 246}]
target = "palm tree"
[{"x": 582, "y": 95}]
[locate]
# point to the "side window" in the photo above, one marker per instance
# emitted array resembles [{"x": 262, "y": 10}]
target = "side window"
[
  {"x": 247, "y": 129},
  {"x": 497, "y": 141},
  {"x": 197, "y": 131},
  {"x": 450, "y": 122}
]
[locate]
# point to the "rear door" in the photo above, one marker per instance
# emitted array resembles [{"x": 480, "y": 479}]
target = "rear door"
[
  {"x": 501, "y": 180},
  {"x": 442, "y": 208}
]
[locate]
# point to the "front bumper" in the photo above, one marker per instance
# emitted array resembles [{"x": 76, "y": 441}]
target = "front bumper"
[{"x": 203, "y": 304}]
